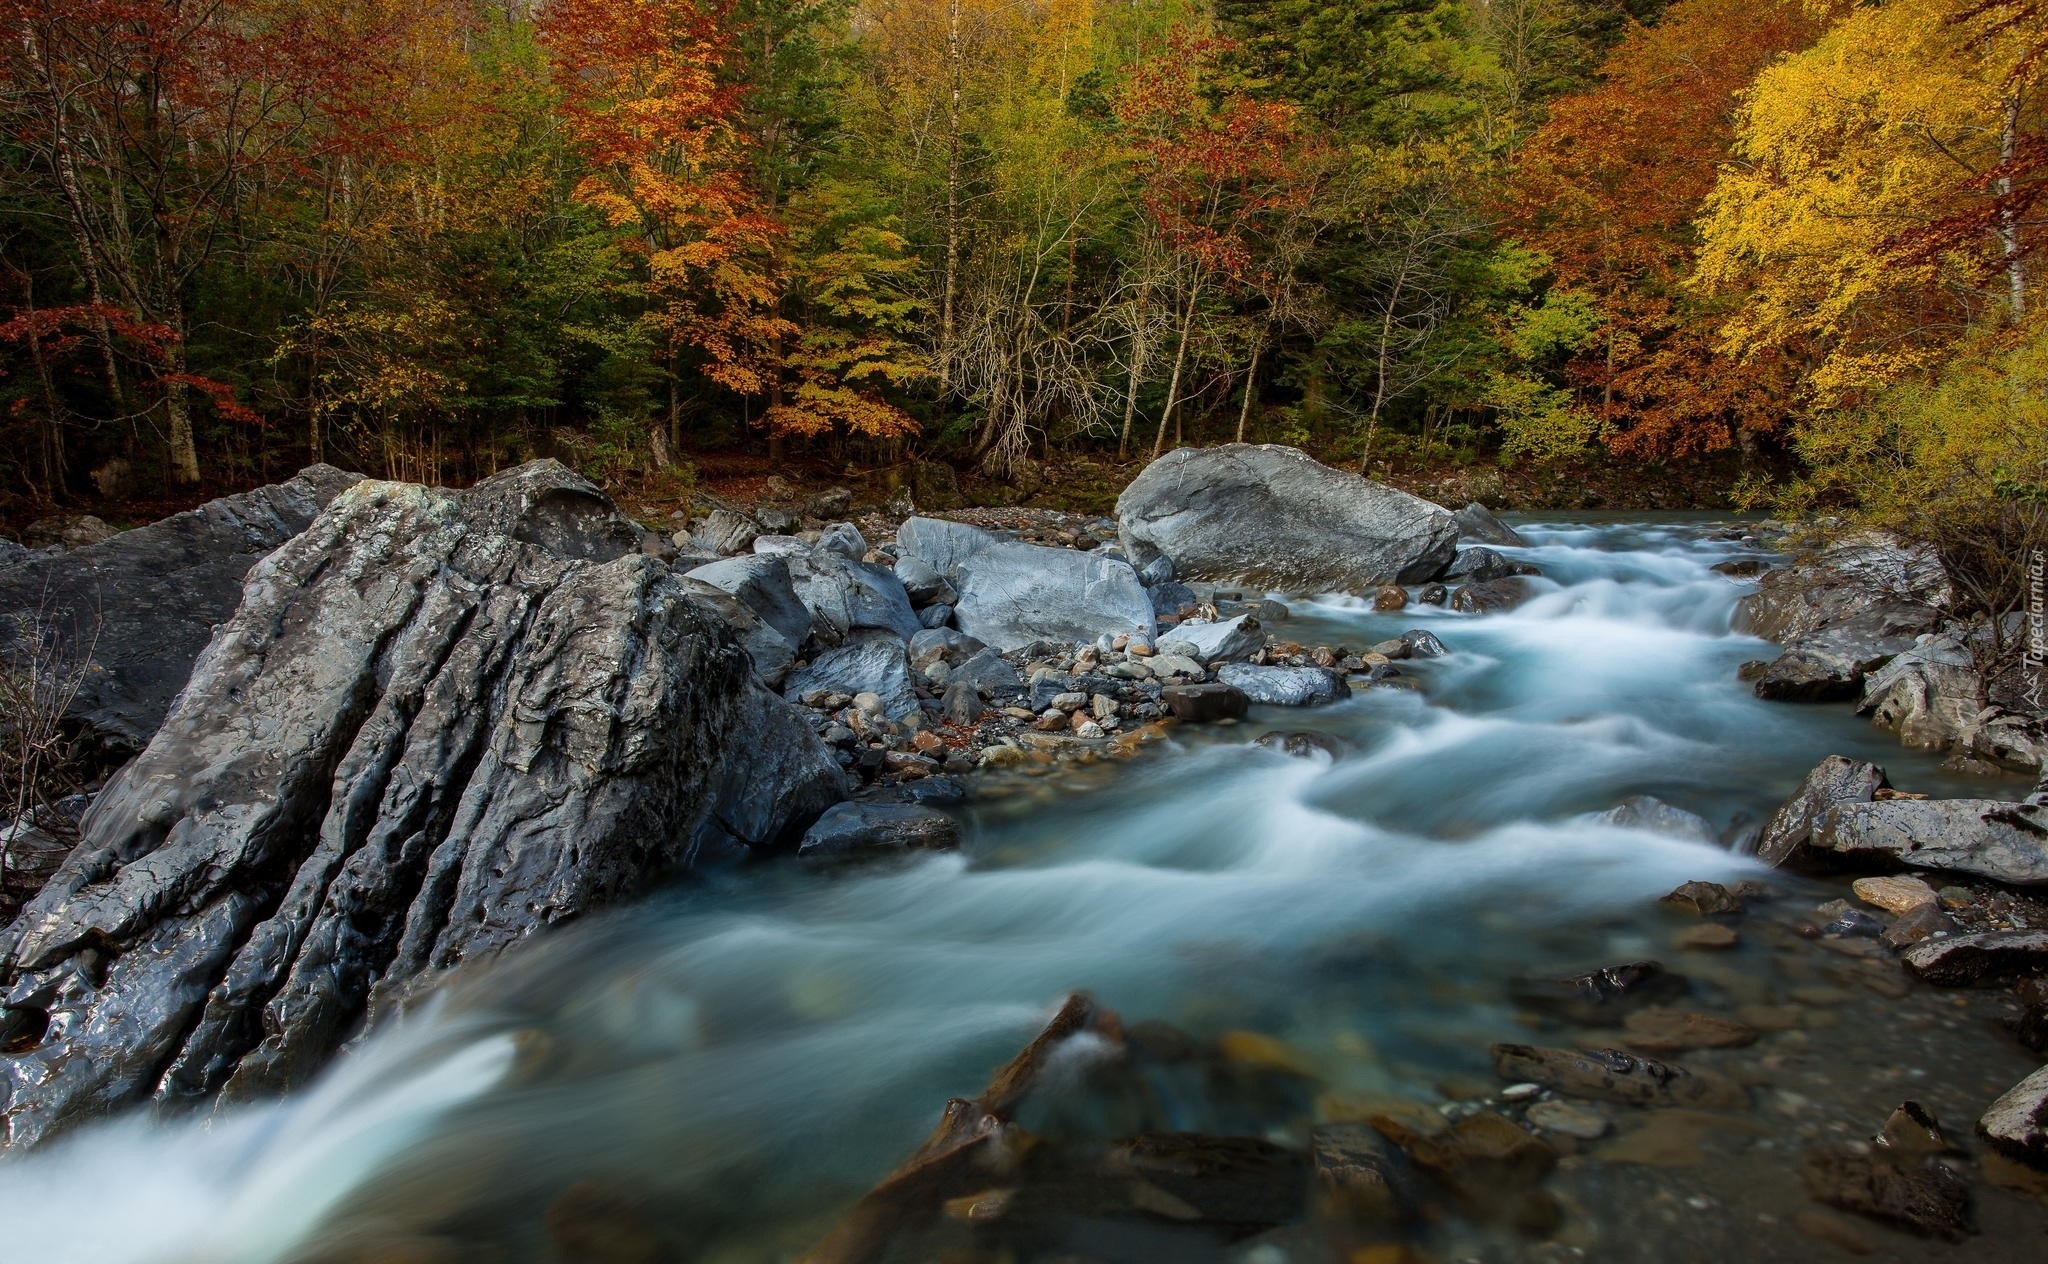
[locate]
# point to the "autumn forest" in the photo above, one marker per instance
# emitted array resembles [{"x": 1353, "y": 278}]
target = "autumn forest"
[{"x": 425, "y": 239}]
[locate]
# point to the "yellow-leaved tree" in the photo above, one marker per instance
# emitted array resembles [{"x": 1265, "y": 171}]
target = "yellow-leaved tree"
[{"x": 1903, "y": 115}]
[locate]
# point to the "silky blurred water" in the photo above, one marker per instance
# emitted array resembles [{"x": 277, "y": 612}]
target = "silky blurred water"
[{"x": 743, "y": 1057}]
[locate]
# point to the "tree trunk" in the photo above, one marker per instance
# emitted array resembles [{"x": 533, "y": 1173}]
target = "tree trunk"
[
  {"x": 2008, "y": 215},
  {"x": 1379, "y": 392},
  {"x": 1180, "y": 359},
  {"x": 952, "y": 277},
  {"x": 1137, "y": 375},
  {"x": 178, "y": 408},
  {"x": 1251, "y": 386}
]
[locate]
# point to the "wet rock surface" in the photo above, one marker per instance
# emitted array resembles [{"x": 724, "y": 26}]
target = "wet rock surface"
[
  {"x": 1788, "y": 835},
  {"x": 1011, "y": 594},
  {"x": 855, "y": 829},
  {"x": 1615, "y": 1076},
  {"x": 140, "y": 605},
  {"x": 1996, "y": 839},
  {"x": 1924, "y": 1199},
  {"x": 1273, "y": 516},
  {"x": 423, "y": 737}
]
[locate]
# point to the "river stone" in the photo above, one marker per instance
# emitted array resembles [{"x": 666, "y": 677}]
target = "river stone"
[
  {"x": 762, "y": 583},
  {"x": 1302, "y": 744},
  {"x": 1364, "y": 1172},
  {"x": 1566, "y": 1119},
  {"x": 1492, "y": 596},
  {"x": 1986, "y": 838},
  {"x": 1923, "y": 1198},
  {"x": 1611, "y": 1075},
  {"x": 1830, "y": 664},
  {"x": 1647, "y": 812},
  {"x": 1422, "y": 644},
  {"x": 140, "y": 606},
  {"x": 1012, "y": 594},
  {"x": 990, "y": 674},
  {"x": 956, "y": 645},
  {"x": 725, "y": 532},
  {"x": 1992, "y": 956},
  {"x": 853, "y": 829},
  {"x": 1286, "y": 686},
  {"x": 1171, "y": 666},
  {"x": 1598, "y": 995},
  {"x": 1230, "y": 640},
  {"x": 873, "y": 664},
  {"x": 1202, "y": 703},
  {"x": 1841, "y": 583},
  {"x": 415, "y": 744},
  {"x": 1480, "y": 564},
  {"x": 66, "y": 532},
  {"x": 844, "y": 539},
  {"x": 1659, "y": 1030},
  {"x": 1171, "y": 598},
  {"x": 2017, "y": 1124},
  {"x": 1273, "y": 517},
  {"x": 781, "y": 546},
  {"x": 1835, "y": 780},
  {"x": 1706, "y": 899},
  {"x": 849, "y": 599},
  {"x": 1895, "y": 895},
  {"x": 1477, "y": 522}
]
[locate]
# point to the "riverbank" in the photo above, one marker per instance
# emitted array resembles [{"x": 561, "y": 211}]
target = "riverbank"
[{"x": 1309, "y": 952}]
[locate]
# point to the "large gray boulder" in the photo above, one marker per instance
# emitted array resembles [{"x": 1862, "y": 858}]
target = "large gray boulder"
[
  {"x": 1986, "y": 838},
  {"x": 1842, "y": 613},
  {"x": 848, "y": 599},
  {"x": 548, "y": 504},
  {"x": 771, "y": 652},
  {"x": 1936, "y": 699},
  {"x": 1012, "y": 594},
  {"x": 763, "y": 584},
  {"x": 1273, "y": 517},
  {"x": 1840, "y": 582},
  {"x": 780, "y": 778},
  {"x": 1787, "y": 836},
  {"x": 420, "y": 740},
  {"x": 1830, "y": 663},
  {"x": 130, "y": 614}
]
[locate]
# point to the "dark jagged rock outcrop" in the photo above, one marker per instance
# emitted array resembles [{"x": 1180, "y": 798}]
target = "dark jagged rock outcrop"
[
  {"x": 437, "y": 724},
  {"x": 1841, "y": 614},
  {"x": 135, "y": 610},
  {"x": 1270, "y": 515}
]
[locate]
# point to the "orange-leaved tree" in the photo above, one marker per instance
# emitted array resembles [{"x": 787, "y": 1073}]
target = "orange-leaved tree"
[
  {"x": 1609, "y": 190},
  {"x": 652, "y": 99}
]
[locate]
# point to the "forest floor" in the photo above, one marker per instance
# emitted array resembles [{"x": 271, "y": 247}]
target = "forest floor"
[{"x": 1082, "y": 484}]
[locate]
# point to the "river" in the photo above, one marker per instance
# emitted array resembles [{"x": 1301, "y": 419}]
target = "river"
[{"x": 735, "y": 1061}]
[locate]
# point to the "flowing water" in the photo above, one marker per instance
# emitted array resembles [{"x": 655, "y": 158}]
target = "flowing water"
[{"x": 736, "y": 1061}]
